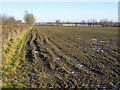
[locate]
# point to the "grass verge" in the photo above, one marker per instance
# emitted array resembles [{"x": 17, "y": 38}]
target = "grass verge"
[{"x": 11, "y": 57}]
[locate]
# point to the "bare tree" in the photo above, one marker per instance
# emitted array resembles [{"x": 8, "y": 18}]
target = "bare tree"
[
  {"x": 89, "y": 22},
  {"x": 95, "y": 22},
  {"x": 92, "y": 22},
  {"x": 83, "y": 22},
  {"x": 104, "y": 22},
  {"x": 29, "y": 18},
  {"x": 57, "y": 22}
]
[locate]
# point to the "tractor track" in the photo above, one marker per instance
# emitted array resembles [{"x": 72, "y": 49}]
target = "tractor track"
[{"x": 43, "y": 56}]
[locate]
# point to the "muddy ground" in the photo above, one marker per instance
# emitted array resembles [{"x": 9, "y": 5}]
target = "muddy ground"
[{"x": 45, "y": 63}]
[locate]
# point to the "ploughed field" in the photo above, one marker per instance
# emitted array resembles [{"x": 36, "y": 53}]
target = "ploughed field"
[{"x": 70, "y": 57}]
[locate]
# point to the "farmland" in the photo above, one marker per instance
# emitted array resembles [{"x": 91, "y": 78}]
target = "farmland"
[{"x": 69, "y": 57}]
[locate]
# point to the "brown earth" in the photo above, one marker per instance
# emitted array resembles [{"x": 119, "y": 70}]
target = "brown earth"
[{"x": 45, "y": 65}]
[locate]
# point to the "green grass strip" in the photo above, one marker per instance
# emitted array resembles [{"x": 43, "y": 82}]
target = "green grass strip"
[{"x": 11, "y": 54}]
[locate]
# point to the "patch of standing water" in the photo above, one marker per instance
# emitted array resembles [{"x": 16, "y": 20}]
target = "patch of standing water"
[
  {"x": 58, "y": 58},
  {"x": 98, "y": 85},
  {"x": 74, "y": 72},
  {"x": 36, "y": 51},
  {"x": 103, "y": 41},
  {"x": 104, "y": 88},
  {"x": 102, "y": 51},
  {"x": 58, "y": 74},
  {"x": 94, "y": 39},
  {"x": 78, "y": 38},
  {"x": 96, "y": 49},
  {"x": 80, "y": 65}
]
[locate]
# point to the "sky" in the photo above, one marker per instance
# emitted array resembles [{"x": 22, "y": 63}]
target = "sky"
[{"x": 65, "y": 11}]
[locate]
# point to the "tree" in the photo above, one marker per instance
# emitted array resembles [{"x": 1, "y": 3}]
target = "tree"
[
  {"x": 103, "y": 22},
  {"x": 57, "y": 22},
  {"x": 89, "y": 22},
  {"x": 29, "y": 18},
  {"x": 95, "y": 22},
  {"x": 83, "y": 22}
]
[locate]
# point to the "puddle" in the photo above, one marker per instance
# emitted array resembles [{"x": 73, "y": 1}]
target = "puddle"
[
  {"x": 58, "y": 58},
  {"x": 59, "y": 74},
  {"x": 73, "y": 72},
  {"x": 96, "y": 49},
  {"x": 103, "y": 41},
  {"x": 80, "y": 65},
  {"x": 102, "y": 51},
  {"x": 98, "y": 85},
  {"x": 103, "y": 87},
  {"x": 36, "y": 51},
  {"x": 95, "y": 39},
  {"x": 78, "y": 38}
]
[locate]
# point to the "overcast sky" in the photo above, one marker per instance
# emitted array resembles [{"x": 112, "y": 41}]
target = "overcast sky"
[{"x": 65, "y": 11}]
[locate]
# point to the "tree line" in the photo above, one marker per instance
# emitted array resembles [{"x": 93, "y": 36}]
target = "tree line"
[
  {"x": 7, "y": 20},
  {"x": 30, "y": 19},
  {"x": 92, "y": 22}
]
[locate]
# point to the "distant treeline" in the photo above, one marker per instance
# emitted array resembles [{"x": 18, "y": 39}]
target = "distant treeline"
[{"x": 103, "y": 23}]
